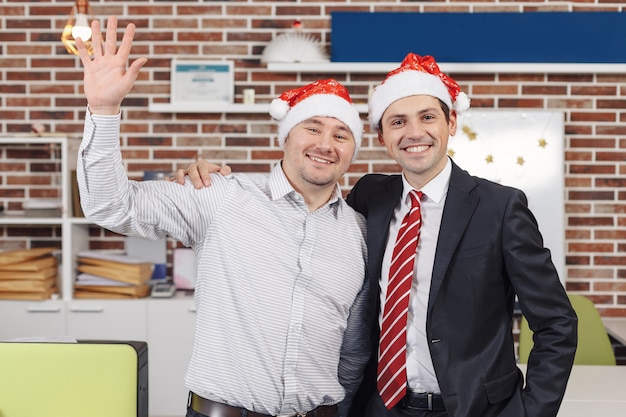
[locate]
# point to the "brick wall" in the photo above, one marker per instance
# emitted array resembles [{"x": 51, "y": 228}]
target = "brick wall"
[{"x": 41, "y": 83}]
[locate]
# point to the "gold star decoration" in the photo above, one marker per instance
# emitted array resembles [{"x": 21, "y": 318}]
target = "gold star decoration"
[
  {"x": 471, "y": 135},
  {"x": 520, "y": 161},
  {"x": 542, "y": 143},
  {"x": 489, "y": 159},
  {"x": 451, "y": 153}
]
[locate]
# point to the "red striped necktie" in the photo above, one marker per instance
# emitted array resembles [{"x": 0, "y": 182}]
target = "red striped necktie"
[{"x": 392, "y": 347}]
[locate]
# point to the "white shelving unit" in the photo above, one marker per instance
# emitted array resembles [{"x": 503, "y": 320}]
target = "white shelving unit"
[
  {"x": 65, "y": 220},
  {"x": 166, "y": 324}
]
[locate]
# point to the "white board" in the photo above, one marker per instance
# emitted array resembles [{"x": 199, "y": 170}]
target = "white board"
[{"x": 523, "y": 149}]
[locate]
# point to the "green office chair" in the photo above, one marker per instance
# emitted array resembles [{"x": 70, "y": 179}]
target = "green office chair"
[{"x": 594, "y": 345}]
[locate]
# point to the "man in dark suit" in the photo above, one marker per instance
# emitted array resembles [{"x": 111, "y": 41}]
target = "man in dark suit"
[{"x": 478, "y": 248}]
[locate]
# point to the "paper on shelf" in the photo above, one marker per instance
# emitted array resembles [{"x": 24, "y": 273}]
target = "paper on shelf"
[
  {"x": 90, "y": 279},
  {"x": 108, "y": 256}
]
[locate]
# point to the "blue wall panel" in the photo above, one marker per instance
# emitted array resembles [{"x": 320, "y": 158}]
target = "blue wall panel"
[{"x": 547, "y": 37}]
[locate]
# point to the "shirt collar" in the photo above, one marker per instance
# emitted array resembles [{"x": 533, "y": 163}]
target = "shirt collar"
[
  {"x": 280, "y": 186},
  {"x": 435, "y": 189}
]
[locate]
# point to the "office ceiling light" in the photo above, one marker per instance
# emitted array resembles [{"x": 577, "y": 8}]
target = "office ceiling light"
[{"x": 78, "y": 26}]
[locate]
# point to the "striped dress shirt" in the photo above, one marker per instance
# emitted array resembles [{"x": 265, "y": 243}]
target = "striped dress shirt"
[{"x": 280, "y": 292}]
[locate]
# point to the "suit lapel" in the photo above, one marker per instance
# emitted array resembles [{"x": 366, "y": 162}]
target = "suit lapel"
[
  {"x": 459, "y": 207},
  {"x": 380, "y": 211}
]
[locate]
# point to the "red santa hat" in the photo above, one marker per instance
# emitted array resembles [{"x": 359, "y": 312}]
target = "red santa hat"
[
  {"x": 417, "y": 75},
  {"x": 325, "y": 98}
]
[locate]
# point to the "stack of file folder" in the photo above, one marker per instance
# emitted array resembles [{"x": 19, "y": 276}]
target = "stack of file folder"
[
  {"x": 106, "y": 275},
  {"x": 28, "y": 274}
]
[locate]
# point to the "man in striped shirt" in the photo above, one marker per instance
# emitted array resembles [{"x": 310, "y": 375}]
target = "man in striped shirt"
[{"x": 281, "y": 258}]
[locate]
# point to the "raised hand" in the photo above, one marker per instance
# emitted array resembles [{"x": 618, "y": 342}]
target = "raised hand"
[{"x": 107, "y": 79}]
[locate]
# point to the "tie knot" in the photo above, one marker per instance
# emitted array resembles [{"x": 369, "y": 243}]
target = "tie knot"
[{"x": 416, "y": 197}]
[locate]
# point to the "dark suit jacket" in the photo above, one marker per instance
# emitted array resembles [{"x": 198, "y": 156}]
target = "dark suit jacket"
[{"x": 489, "y": 250}]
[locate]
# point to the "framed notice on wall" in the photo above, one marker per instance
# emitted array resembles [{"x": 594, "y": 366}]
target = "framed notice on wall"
[{"x": 202, "y": 81}]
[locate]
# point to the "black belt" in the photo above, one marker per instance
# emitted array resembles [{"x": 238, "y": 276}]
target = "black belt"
[
  {"x": 423, "y": 401},
  {"x": 212, "y": 408}
]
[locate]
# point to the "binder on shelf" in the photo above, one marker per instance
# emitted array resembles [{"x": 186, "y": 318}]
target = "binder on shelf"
[
  {"x": 32, "y": 265},
  {"x": 91, "y": 286},
  {"x": 27, "y": 285},
  {"x": 118, "y": 274},
  {"x": 22, "y": 255},
  {"x": 30, "y": 296},
  {"x": 39, "y": 275},
  {"x": 108, "y": 295},
  {"x": 77, "y": 209}
]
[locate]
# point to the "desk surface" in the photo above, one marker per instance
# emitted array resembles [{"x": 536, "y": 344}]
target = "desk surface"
[
  {"x": 592, "y": 408},
  {"x": 594, "y": 391},
  {"x": 597, "y": 383},
  {"x": 616, "y": 326}
]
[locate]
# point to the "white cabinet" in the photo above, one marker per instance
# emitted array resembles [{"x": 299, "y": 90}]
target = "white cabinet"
[
  {"x": 107, "y": 319},
  {"x": 20, "y": 319},
  {"x": 171, "y": 327}
]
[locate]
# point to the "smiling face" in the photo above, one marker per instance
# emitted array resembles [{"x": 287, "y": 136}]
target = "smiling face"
[
  {"x": 415, "y": 132},
  {"x": 318, "y": 151}
]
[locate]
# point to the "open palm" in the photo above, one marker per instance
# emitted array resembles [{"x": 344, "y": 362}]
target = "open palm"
[{"x": 107, "y": 79}]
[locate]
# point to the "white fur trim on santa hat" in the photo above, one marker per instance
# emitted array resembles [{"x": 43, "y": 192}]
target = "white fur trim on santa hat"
[
  {"x": 320, "y": 105},
  {"x": 406, "y": 84}
]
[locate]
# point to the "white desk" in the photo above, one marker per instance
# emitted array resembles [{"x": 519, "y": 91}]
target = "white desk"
[
  {"x": 592, "y": 409},
  {"x": 616, "y": 327},
  {"x": 594, "y": 391}
]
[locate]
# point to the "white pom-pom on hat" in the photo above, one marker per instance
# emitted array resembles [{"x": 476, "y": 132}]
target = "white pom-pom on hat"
[
  {"x": 278, "y": 109},
  {"x": 462, "y": 103}
]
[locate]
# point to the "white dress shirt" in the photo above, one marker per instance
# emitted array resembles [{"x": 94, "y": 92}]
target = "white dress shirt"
[{"x": 420, "y": 370}]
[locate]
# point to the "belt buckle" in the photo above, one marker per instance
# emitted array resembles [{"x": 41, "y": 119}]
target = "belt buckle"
[{"x": 430, "y": 401}]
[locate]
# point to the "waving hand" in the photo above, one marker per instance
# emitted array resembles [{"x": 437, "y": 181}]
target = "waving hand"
[{"x": 107, "y": 78}]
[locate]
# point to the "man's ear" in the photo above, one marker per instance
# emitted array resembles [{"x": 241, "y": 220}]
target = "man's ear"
[
  {"x": 452, "y": 124},
  {"x": 380, "y": 137}
]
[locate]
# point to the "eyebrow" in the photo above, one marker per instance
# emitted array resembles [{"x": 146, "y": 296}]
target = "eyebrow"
[
  {"x": 404, "y": 114},
  {"x": 315, "y": 120}
]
